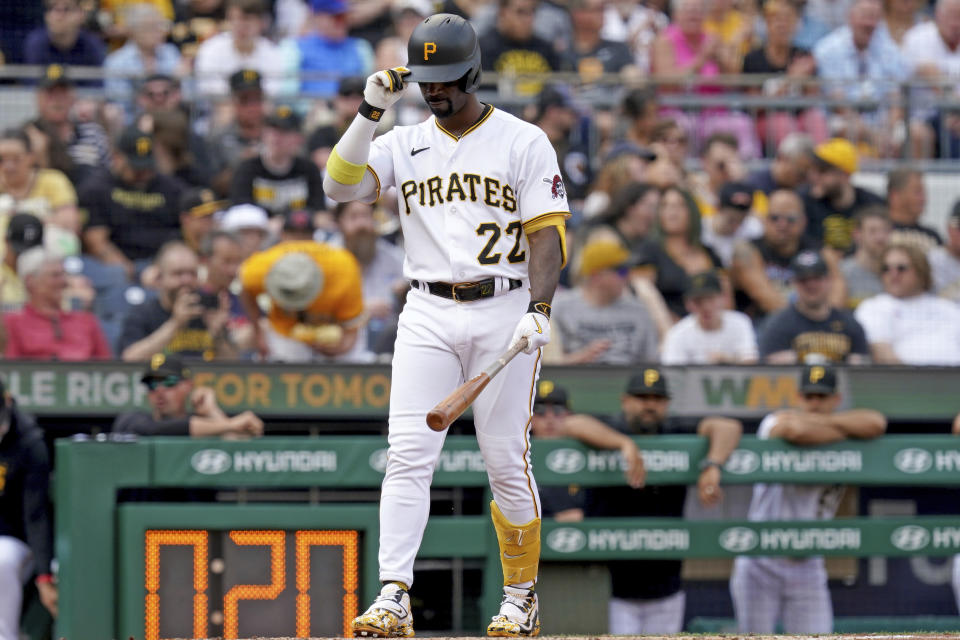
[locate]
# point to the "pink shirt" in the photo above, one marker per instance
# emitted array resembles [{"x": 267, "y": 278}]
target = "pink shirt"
[
  {"x": 74, "y": 335},
  {"x": 684, "y": 54}
]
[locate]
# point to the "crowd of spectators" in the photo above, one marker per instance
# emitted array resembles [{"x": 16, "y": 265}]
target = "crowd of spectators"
[{"x": 168, "y": 195}]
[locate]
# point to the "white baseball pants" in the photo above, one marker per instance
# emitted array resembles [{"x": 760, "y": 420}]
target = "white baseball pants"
[
  {"x": 663, "y": 616},
  {"x": 16, "y": 563},
  {"x": 441, "y": 343},
  {"x": 765, "y": 590}
]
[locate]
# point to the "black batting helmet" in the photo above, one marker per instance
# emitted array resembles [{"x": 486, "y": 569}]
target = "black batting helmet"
[{"x": 445, "y": 48}]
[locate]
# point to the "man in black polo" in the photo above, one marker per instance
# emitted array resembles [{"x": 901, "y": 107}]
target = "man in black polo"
[
  {"x": 132, "y": 211},
  {"x": 811, "y": 330},
  {"x": 646, "y": 594},
  {"x": 279, "y": 179}
]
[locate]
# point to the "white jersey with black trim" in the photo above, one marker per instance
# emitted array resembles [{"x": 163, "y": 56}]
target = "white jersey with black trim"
[
  {"x": 467, "y": 203},
  {"x": 771, "y": 502}
]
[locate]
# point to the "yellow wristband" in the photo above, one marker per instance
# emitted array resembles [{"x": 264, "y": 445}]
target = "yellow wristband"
[{"x": 344, "y": 171}]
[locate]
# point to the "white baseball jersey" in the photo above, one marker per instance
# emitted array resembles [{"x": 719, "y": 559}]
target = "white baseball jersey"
[
  {"x": 466, "y": 204},
  {"x": 791, "y": 501}
]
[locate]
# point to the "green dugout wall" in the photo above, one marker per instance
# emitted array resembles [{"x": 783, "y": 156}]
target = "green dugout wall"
[{"x": 104, "y": 562}]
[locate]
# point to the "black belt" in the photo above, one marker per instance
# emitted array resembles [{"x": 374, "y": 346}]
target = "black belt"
[{"x": 466, "y": 291}]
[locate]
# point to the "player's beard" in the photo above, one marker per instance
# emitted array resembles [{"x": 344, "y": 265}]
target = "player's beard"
[
  {"x": 442, "y": 110},
  {"x": 646, "y": 423}
]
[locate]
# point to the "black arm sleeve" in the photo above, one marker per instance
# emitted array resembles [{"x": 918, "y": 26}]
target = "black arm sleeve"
[{"x": 143, "y": 424}]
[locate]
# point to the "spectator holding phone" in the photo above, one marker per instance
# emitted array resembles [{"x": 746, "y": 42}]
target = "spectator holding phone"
[{"x": 180, "y": 319}]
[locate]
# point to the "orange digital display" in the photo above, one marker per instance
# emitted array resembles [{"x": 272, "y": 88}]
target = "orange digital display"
[{"x": 251, "y": 565}]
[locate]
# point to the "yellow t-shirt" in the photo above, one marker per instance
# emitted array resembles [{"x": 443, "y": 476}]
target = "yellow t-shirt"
[
  {"x": 340, "y": 300},
  {"x": 728, "y": 28}
]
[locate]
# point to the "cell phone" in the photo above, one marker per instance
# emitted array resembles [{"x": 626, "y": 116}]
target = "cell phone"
[{"x": 208, "y": 300}]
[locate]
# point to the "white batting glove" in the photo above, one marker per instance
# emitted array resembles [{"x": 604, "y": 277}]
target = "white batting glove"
[
  {"x": 385, "y": 87},
  {"x": 535, "y": 327}
]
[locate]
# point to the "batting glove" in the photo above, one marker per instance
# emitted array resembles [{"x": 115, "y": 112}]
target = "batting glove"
[
  {"x": 535, "y": 327},
  {"x": 385, "y": 87}
]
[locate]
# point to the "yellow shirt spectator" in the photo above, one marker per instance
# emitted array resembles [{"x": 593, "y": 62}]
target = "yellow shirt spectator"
[{"x": 338, "y": 299}]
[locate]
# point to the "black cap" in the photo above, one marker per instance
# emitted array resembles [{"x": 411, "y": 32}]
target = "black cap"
[
  {"x": 549, "y": 393},
  {"x": 245, "y": 80},
  {"x": 351, "y": 86},
  {"x": 284, "y": 117},
  {"x": 299, "y": 220},
  {"x": 808, "y": 264},
  {"x": 553, "y": 96},
  {"x": 818, "y": 378},
  {"x": 706, "y": 283},
  {"x": 55, "y": 75},
  {"x": 200, "y": 202},
  {"x": 736, "y": 195},
  {"x": 137, "y": 146},
  {"x": 323, "y": 137},
  {"x": 24, "y": 231},
  {"x": 163, "y": 365},
  {"x": 649, "y": 382}
]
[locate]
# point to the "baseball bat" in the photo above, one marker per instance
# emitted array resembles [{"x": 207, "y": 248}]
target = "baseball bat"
[{"x": 450, "y": 408}]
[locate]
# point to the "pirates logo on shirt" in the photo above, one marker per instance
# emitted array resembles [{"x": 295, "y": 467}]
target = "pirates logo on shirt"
[{"x": 557, "y": 190}]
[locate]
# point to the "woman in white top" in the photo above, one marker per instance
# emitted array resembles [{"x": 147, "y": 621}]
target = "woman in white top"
[{"x": 907, "y": 324}]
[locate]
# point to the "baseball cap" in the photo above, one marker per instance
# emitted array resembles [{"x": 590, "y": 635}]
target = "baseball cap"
[
  {"x": 649, "y": 382},
  {"x": 163, "y": 365},
  {"x": 294, "y": 281},
  {"x": 244, "y": 216},
  {"x": 285, "y": 118},
  {"x": 550, "y": 394},
  {"x": 736, "y": 195},
  {"x": 706, "y": 283},
  {"x": 24, "y": 231},
  {"x": 245, "y": 80},
  {"x": 818, "y": 378},
  {"x": 838, "y": 153},
  {"x": 137, "y": 146},
  {"x": 334, "y": 7},
  {"x": 201, "y": 202},
  {"x": 808, "y": 264},
  {"x": 55, "y": 75},
  {"x": 602, "y": 254},
  {"x": 298, "y": 220},
  {"x": 351, "y": 86}
]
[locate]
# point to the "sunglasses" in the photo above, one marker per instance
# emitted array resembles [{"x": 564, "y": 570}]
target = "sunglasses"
[
  {"x": 777, "y": 217},
  {"x": 899, "y": 268},
  {"x": 816, "y": 396},
  {"x": 154, "y": 383}
]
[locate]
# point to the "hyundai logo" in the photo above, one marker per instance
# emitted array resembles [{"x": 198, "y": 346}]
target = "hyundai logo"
[
  {"x": 742, "y": 461},
  {"x": 738, "y": 539},
  {"x": 910, "y": 538},
  {"x": 565, "y": 461},
  {"x": 566, "y": 540},
  {"x": 210, "y": 462},
  {"x": 378, "y": 460},
  {"x": 912, "y": 460}
]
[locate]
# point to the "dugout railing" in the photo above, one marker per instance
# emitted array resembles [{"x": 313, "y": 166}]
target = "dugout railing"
[{"x": 140, "y": 569}]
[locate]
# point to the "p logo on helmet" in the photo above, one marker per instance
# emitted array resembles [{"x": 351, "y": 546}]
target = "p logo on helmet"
[
  {"x": 816, "y": 374},
  {"x": 428, "y": 48},
  {"x": 650, "y": 377}
]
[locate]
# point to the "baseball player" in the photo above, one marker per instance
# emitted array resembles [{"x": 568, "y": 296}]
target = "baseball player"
[
  {"x": 482, "y": 208},
  {"x": 794, "y": 590}
]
